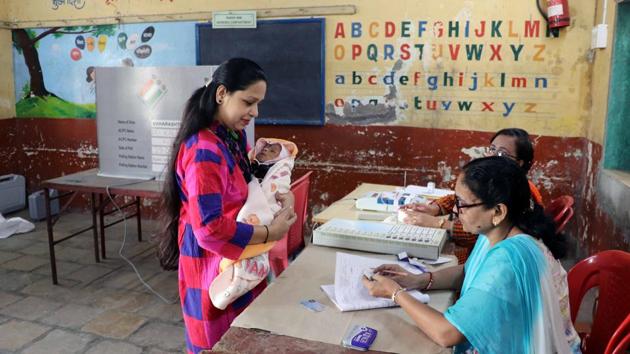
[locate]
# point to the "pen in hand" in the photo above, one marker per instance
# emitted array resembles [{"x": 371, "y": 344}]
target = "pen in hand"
[
  {"x": 390, "y": 272},
  {"x": 369, "y": 273}
]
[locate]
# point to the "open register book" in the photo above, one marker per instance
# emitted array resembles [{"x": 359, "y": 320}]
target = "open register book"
[{"x": 348, "y": 292}]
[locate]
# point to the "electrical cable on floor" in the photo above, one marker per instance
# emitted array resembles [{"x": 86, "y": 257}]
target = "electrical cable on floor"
[{"x": 146, "y": 285}]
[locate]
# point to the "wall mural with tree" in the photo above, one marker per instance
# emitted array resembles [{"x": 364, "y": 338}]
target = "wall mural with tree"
[{"x": 54, "y": 67}]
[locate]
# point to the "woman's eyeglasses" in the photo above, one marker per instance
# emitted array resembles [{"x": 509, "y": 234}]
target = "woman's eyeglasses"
[
  {"x": 493, "y": 151},
  {"x": 459, "y": 205}
]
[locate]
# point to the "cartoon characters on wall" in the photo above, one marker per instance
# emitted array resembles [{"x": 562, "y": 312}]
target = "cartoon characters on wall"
[
  {"x": 135, "y": 43},
  {"x": 132, "y": 42},
  {"x": 90, "y": 44},
  {"x": 122, "y": 40},
  {"x": 75, "y": 54},
  {"x": 79, "y": 42},
  {"x": 90, "y": 78}
]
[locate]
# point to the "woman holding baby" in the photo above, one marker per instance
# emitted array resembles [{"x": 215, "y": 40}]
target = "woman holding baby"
[{"x": 205, "y": 187}]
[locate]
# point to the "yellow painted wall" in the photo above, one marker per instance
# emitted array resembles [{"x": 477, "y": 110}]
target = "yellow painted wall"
[
  {"x": 566, "y": 108},
  {"x": 556, "y": 110},
  {"x": 7, "y": 99},
  {"x": 90, "y": 9},
  {"x": 7, "y": 95}
]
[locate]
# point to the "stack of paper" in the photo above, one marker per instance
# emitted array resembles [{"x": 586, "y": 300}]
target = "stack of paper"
[
  {"x": 431, "y": 193},
  {"x": 348, "y": 292}
]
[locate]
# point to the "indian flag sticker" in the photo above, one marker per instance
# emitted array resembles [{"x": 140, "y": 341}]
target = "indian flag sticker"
[{"x": 152, "y": 91}]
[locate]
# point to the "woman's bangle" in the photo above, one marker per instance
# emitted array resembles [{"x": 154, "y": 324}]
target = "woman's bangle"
[
  {"x": 396, "y": 292},
  {"x": 430, "y": 283},
  {"x": 267, "y": 233}
]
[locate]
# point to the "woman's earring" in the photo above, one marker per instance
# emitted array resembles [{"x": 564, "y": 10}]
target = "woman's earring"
[
  {"x": 219, "y": 101},
  {"x": 494, "y": 222}
]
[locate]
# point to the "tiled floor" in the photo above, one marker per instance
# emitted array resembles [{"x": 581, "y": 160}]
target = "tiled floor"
[{"x": 97, "y": 307}]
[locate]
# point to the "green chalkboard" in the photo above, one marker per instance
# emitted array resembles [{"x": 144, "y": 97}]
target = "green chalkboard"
[{"x": 617, "y": 146}]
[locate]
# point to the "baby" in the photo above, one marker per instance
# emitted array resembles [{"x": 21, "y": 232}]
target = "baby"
[{"x": 272, "y": 161}]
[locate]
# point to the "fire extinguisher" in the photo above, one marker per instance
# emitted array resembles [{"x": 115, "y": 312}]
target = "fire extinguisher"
[{"x": 557, "y": 15}]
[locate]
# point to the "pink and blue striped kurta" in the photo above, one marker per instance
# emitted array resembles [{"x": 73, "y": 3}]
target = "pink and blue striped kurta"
[{"x": 212, "y": 190}]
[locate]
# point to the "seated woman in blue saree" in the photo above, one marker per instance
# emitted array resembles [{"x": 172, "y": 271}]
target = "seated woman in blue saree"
[{"x": 514, "y": 294}]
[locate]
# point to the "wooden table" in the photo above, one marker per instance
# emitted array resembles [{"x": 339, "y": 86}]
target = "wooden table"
[
  {"x": 250, "y": 340},
  {"x": 98, "y": 187},
  {"x": 276, "y": 323},
  {"x": 249, "y": 334},
  {"x": 253, "y": 331}
]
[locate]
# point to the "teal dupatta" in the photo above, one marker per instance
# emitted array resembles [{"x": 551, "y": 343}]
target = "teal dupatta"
[{"x": 508, "y": 303}]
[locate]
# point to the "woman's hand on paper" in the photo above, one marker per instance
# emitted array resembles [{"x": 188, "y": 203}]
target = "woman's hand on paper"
[
  {"x": 380, "y": 286},
  {"x": 398, "y": 274},
  {"x": 430, "y": 209}
]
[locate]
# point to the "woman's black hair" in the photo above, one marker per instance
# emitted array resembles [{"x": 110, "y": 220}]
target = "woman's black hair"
[
  {"x": 235, "y": 74},
  {"x": 495, "y": 180},
  {"x": 524, "y": 146}
]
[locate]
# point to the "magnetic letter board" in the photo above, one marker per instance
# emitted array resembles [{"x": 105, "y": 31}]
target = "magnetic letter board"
[{"x": 291, "y": 52}]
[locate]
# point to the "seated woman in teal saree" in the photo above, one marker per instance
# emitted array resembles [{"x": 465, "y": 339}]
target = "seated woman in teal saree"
[{"x": 514, "y": 294}]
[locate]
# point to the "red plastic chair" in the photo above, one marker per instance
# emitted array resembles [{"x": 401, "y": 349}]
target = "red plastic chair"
[
  {"x": 620, "y": 340},
  {"x": 290, "y": 245},
  {"x": 610, "y": 271},
  {"x": 561, "y": 210},
  {"x": 300, "y": 189}
]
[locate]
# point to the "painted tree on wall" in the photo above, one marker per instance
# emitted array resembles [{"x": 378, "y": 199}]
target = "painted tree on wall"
[{"x": 25, "y": 42}]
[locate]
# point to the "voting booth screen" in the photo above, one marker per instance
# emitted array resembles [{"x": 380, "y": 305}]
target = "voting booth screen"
[{"x": 138, "y": 112}]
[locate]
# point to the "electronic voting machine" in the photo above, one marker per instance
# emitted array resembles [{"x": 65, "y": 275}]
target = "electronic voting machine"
[
  {"x": 392, "y": 201},
  {"x": 372, "y": 236}
]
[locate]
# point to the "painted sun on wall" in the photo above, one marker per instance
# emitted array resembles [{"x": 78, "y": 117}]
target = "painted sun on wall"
[{"x": 54, "y": 67}]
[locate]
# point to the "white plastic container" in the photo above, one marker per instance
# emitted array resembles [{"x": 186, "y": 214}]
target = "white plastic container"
[
  {"x": 37, "y": 204},
  {"x": 12, "y": 193}
]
